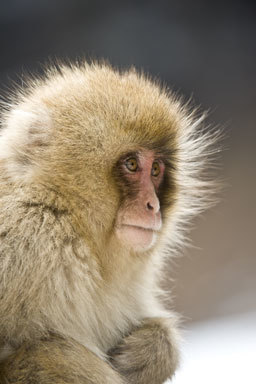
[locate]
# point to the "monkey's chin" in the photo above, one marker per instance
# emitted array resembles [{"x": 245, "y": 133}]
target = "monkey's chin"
[{"x": 138, "y": 238}]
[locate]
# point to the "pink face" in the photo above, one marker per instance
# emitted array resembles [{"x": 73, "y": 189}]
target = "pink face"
[{"x": 139, "y": 218}]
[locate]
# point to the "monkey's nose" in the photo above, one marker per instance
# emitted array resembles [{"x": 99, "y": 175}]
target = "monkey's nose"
[{"x": 153, "y": 205}]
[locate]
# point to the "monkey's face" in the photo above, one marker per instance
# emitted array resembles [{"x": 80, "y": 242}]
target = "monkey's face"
[
  {"x": 139, "y": 217},
  {"x": 108, "y": 144}
]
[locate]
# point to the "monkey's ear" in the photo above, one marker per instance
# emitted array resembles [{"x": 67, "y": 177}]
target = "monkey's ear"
[{"x": 25, "y": 134}]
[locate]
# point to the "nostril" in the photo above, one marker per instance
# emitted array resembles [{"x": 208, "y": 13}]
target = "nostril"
[{"x": 149, "y": 207}]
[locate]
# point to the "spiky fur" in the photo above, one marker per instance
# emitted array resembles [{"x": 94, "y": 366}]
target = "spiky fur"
[{"x": 61, "y": 271}]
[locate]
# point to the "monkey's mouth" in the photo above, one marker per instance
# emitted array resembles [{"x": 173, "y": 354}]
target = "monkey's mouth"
[
  {"x": 139, "y": 228},
  {"x": 138, "y": 237}
]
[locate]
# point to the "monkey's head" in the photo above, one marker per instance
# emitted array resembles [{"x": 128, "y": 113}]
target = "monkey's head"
[{"x": 123, "y": 153}]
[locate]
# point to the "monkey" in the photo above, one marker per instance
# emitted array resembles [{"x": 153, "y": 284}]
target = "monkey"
[{"x": 101, "y": 170}]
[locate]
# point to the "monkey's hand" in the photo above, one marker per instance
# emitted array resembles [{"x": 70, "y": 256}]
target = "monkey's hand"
[{"x": 149, "y": 354}]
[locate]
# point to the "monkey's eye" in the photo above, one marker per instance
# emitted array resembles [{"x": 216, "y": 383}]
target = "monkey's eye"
[
  {"x": 131, "y": 164},
  {"x": 155, "y": 169}
]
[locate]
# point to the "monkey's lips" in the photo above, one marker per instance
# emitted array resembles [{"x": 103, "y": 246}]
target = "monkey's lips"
[
  {"x": 138, "y": 227},
  {"x": 137, "y": 237}
]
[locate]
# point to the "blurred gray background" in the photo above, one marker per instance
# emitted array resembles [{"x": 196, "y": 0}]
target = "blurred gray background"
[{"x": 203, "y": 49}]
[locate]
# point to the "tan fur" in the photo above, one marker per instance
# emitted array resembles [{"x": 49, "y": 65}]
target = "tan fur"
[
  {"x": 62, "y": 269},
  {"x": 59, "y": 361}
]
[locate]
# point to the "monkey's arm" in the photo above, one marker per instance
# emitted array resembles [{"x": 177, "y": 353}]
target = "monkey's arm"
[
  {"x": 59, "y": 361},
  {"x": 149, "y": 354}
]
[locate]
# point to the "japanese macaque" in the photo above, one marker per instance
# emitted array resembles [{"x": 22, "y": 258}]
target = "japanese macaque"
[{"x": 100, "y": 172}]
